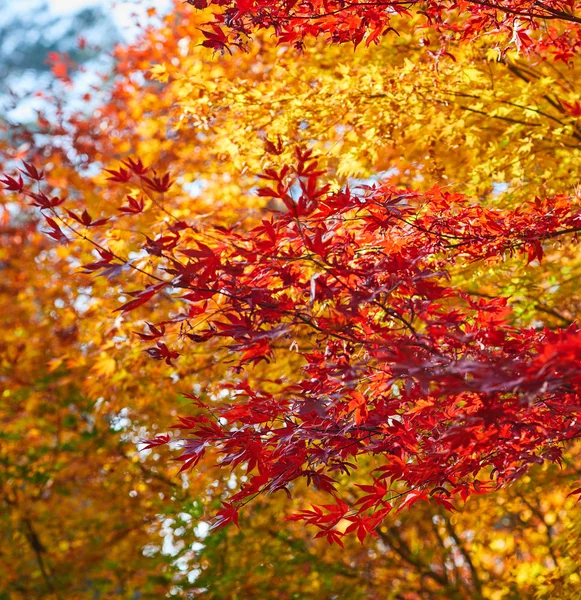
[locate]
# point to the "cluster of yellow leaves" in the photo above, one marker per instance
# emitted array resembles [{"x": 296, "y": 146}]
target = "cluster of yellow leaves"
[{"x": 466, "y": 118}]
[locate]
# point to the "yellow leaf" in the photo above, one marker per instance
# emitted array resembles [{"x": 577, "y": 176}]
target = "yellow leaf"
[
  {"x": 159, "y": 73},
  {"x": 104, "y": 366}
]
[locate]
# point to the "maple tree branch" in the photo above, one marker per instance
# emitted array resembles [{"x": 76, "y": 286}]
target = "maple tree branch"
[
  {"x": 527, "y": 74},
  {"x": 39, "y": 550},
  {"x": 555, "y": 234},
  {"x": 445, "y": 551},
  {"x": 159, "y": 205},
  {"x": 347, "y": 7},
  {"x": 559, "y": 14},
  {"x": 100, "y": 247},
  {"x": 538, "y": 513},
  {"x": 299, "y": 544},
  {"x": 327, "y": 267},
  {"x": 553, "y": 312},
  {"x": 509, "y": 103},
  {"x": 148, "y": 472},
  {"x": 554, "y": 14},
  {"x": 123, "y": 533},
  {"x": 398, "y": 545},
  {"x": 508, "y": 119},
  {"x": 460, "y": 545},
  {"x": 134, "y": 267},
  {"x": 538, "y": 305}
]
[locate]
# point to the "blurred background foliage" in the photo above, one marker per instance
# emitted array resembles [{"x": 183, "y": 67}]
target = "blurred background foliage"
[{"x": 29, "y": 32}]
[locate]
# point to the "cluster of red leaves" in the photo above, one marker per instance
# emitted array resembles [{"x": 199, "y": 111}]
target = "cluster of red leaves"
[
  {"x": 400, "y": 367},
  {"x": 340, "y": 21}
]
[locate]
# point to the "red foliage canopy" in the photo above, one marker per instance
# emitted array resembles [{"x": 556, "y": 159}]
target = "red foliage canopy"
[
  {"x": 341, "y": 21},
  {"x": 401, "y": 369}
]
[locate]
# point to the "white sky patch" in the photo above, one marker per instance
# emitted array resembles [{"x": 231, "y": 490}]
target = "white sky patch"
[
  {"x": 124, "y": 12},
  {"x": 127, "y": 15},
  {"x": 64, "y": 7}
]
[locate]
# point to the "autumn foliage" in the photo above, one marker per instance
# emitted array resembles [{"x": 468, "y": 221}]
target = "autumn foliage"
[
  {"x": 398, "y": 364},
  {"x": 342, "y": 21},
  {"x": 356, "y": 273}
]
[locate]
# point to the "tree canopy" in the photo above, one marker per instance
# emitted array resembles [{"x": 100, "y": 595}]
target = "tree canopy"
[{"x": 341, "y": 287}]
